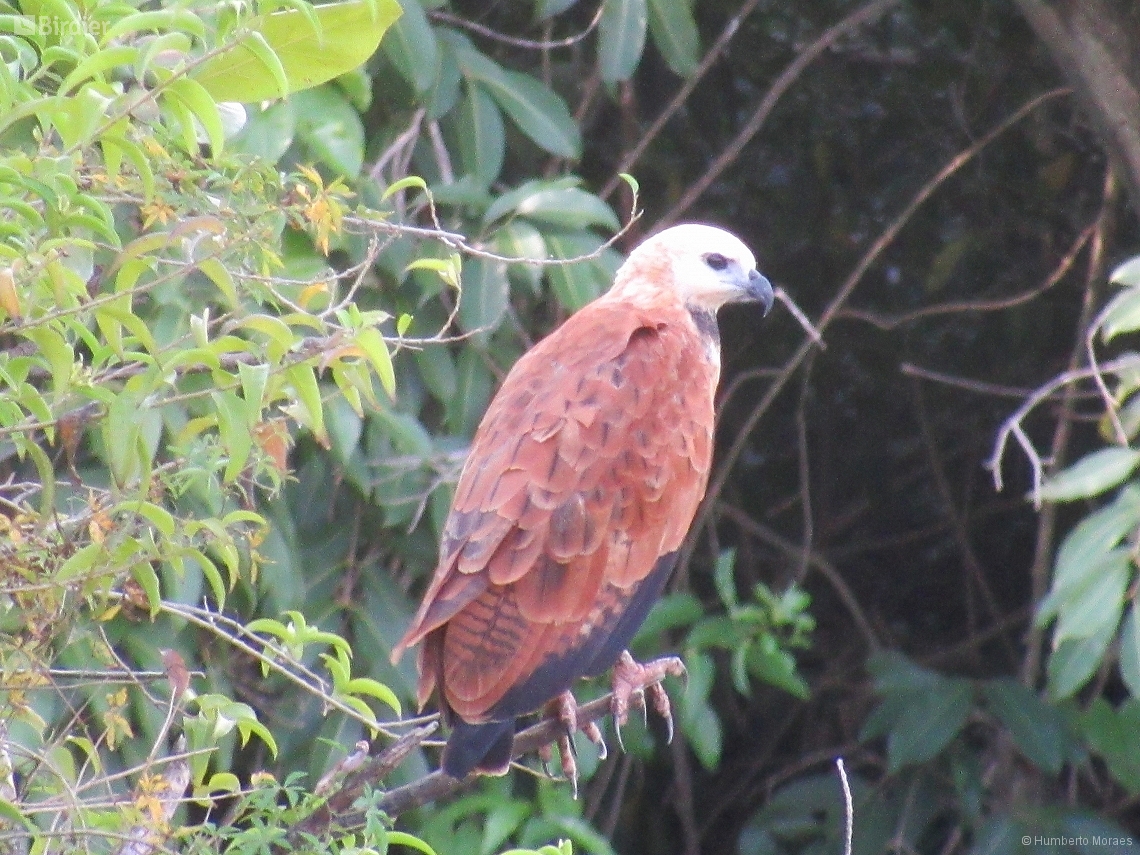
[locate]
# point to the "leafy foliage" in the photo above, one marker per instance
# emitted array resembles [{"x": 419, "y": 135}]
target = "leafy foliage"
[
  {"x": 183, "y": 300},
  {"x": 246, "y": 337}
]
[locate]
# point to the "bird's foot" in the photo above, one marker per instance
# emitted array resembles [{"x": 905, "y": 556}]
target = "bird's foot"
[
  {"x": 632, "y": 681},
  {"x": 564, "y": 708}
]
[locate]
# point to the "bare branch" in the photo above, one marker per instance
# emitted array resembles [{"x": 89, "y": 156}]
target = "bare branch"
[
  {"x": 1012, "y": 425},
  {"x": 682, "y": 95},
  {"x": 844, "y": 292},
  {"x": 848, "y": 807},
  {"x": 515, "y": 41},
  {"x": 162, "y": 798},
  {"x": 861, "y": 16},
  {"x": 439, "y": 785},
  {"x": 889, "y": 322},
  {"x": 795, "y": 552}
]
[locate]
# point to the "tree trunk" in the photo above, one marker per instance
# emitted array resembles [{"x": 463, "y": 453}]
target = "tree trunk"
[{"x": 1097, "y": 45}]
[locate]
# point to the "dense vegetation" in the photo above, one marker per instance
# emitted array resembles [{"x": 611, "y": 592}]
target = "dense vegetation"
[{"x": 259, "y": 279}]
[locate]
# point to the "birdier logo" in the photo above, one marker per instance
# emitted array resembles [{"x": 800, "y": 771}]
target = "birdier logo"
[{"x": 50, "y": 25}]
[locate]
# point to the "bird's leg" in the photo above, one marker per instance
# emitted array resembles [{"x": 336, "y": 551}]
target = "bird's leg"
[
  {"x": 633, "y": 680},
  {"x": 565, "y": 709}
]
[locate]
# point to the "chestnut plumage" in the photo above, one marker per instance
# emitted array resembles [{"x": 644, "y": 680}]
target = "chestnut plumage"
[{"x": 580, "y": 486}]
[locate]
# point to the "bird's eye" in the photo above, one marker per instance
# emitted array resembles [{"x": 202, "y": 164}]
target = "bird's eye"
[{"x": 716, "y": 261}]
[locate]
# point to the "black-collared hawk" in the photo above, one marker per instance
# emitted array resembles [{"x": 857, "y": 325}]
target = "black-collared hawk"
[{"x": 580, "y": 486}]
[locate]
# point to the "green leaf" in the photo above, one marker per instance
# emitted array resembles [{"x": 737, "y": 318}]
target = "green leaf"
[
  {"x": 1085, "y": 609},
  {"x": 569, "y": 207},
  {"x": 96, "y": 64},
  {"x": 13, "y": 817},
  {"x": 81, "y": 562},
  {"x": 621, "y": 38},
  {"x": 375, "y": 349},
  {"x": 158, "y": 517},
  {"x": 519, "y": 239},
  {"x": 670, "y": 612},
  {"x": 675, "y": 34},
  {"x": 895, "y": 674},
  {"x": 222, "y": 782},
  {"x": 209, "y": 572},
  {"x": 1093, "y": 538},
  {"x": 267, "y": 134},
  {"x": 307, "y": 407},
  {"x": 509, "y": 202},
  {"x": 1112, "y": 734},
  {"x": 411, "y": 48},
  {"x": 284, "y": 55},
  {"x": 57, "y": 352},
  {"x": 375, "y": 689},
  {"x": 776, "y": 667},
  {"x": 549, "y": 8},
  {"x": 483, "y": 298},
  {"x": 437, "y": 370},
  {"x": 472, "y": 394},
  {"x": 1038, "y": 729},
  {"x": 233, "y": 432},
  {"x": 401, "y": 838},
  {"x": 699, "y": 722},
  {"x": 330, "y": 128},
  {"x": 536, "y": 110},
  {"x": 157, "y": 20},
  {"x": 220, "y": 275},
  {"x": 724, "y": 579},
  {"x": 1091, "y": 475},
  {"x": 252, "y": 727},
  {"x": 482, "y": 140},
  {"x": 143, "y": 573},
  {"x": 1127, "y": 273},
  {"x": 196, "y": 99},
  {"x": 928, "y": 722},
  {"x": 1130, "y": 651},
  {"x": 1075, "y": 660},
  {"x": 576, "y": 284},
  {"x": 502, "y": 821},
  {"x": 1121, "y": 315}
]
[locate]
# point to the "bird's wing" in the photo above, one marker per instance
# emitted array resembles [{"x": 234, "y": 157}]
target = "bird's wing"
[{"x": 586, "y": 470}]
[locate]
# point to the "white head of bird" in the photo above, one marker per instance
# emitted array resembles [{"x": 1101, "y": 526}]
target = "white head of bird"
[{"x": 704, "y": 266}]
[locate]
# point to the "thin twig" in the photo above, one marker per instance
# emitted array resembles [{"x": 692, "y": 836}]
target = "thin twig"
[
  {"x": 516, "y": 41},
  {"x": 796, "y": 552},
  {"x": 888, "y": 236},
  {"x": 848, "y": 807},
  {"x": 1047, "y": 518},
  {"x": 1011, "y": 427},
  {"x": 798, "y": 313},
  {"x": 979, "y": 386},
  {"x": 351, "y": 785},
  {"x": 707, "y": 61},
  {"x": 889, "y": 322},
  {"x": 810, "y": 53}
]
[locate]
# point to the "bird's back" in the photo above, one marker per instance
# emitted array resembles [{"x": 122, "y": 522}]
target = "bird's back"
[{"x": 582, "y": 480}]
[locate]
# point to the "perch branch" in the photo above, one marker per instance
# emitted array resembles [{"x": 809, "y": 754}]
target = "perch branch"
[{"x": 338, "y": 810}]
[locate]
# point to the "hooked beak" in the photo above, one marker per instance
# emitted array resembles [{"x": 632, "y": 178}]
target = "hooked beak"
[{"x": 760, "y": 289}]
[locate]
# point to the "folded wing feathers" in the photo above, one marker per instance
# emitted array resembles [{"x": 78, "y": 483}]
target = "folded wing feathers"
[{"x": 588, "y": 466}]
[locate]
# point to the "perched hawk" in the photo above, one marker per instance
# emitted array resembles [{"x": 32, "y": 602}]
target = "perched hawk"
[{"x": 582, "y": 481}]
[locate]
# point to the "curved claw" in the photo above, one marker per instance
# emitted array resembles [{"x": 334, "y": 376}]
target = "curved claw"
[
  {"x": 632, "y": 681},
  {"x": 594, "y": 734}
]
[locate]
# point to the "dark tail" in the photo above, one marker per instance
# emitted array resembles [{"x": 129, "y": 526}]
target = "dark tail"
[{"x": 486, "y": 747}]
